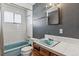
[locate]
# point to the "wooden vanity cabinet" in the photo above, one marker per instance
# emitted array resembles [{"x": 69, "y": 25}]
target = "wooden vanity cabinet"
[
  {"x": 36, "y": 46},
  {"x": 39, "y": 51},
  {"x": 44, "y": 52},
  {"x": 36, "y": 49},
  {"x": 52, "y": 54},
  {"x": 35, "y": 53}
]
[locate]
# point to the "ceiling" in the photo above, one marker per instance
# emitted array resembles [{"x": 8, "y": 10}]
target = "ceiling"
[{"x": 26, "y": 5}]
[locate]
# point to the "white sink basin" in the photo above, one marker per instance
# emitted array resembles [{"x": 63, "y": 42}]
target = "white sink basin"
[{"x": 48, "y": 42}]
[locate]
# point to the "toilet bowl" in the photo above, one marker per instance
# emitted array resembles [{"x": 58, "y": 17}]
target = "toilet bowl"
[{"x": 26, "y": 51}]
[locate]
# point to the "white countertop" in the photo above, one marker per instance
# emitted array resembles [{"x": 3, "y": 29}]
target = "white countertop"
[
  {"x": 64, "y": 48},
  {"x": 67, "y": 49}
]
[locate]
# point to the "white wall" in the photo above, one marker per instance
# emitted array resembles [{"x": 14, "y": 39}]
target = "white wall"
[
  {"x": 14, "y": 32},
  {"x": 29, "y": 23},
  {"x": 28, "y": 17}
]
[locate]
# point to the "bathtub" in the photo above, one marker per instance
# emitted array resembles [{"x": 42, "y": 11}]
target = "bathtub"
[{"x": 15, "y": 48}]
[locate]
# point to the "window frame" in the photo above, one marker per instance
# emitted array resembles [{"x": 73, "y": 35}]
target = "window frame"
[{"x": 14, "y": 21}]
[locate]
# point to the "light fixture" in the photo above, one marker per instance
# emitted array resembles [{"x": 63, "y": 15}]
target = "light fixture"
[{"x": 49, "y": 5}]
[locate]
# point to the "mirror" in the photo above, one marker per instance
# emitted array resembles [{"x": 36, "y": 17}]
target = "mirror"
[{"x": 53, "y": 16}]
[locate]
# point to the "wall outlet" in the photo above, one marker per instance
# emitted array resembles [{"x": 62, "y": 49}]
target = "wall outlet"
[{"x": 61, "y": 31}]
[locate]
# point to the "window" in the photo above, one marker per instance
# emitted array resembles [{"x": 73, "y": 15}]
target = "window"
[
  {"x": 8, "y": 16},
  {"x": 17, "y": 18},
  {"x": 12, "y": 17}
]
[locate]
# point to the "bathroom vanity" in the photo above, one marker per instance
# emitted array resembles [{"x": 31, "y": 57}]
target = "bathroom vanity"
[
  {"x": 66, "y": 47},
  {"x": 41, "y": 51}
]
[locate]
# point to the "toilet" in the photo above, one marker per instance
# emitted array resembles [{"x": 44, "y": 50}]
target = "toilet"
[{"x": 26, "y": 51}]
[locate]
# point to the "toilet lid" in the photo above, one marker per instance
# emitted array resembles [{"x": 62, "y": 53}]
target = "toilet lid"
[{"x": 26, "y": 48}]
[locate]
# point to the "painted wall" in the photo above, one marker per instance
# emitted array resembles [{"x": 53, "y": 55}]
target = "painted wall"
[{"x": 69, "y": 21}]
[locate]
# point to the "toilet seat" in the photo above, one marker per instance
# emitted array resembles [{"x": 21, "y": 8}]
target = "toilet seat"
[{"x": 26, "y": 51}]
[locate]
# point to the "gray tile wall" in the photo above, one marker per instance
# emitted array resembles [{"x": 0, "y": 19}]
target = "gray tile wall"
[{"x": 69, "y": 21}]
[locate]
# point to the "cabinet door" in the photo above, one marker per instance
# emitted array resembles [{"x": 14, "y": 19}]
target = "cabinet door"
[
  {"x": 36, "y": 46},
  {"x": 36, "y": 50},
  {"x": 44, "y": 52},
  {"x": 35, "y": 53}
]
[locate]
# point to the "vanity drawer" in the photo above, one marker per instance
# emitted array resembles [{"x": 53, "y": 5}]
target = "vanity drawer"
[{"x": 44, "y": 52}]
